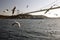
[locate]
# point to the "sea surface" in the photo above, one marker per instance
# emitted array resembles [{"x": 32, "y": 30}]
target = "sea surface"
[{"x": 30, "y": 29}]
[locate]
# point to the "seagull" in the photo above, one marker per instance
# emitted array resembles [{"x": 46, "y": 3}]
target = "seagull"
[
  {"x": 56, "y": 14},
  {"x": 16, "y": 24},
  {"x": 48, "y": 10},
  {"x": 6, "y": 10},
  {"x": 27, "y": 6},
  {"x": 13, "y": 10}
]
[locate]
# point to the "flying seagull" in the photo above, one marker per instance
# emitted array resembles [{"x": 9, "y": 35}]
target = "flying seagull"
[
  {"x": 27, "y": 6},
  {"x": 16, "y": 24},
  {"x": 49, "y": 9},
  {"x": 13, "y": 10}
]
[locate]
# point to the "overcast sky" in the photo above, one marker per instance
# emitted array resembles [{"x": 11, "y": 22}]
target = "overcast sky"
[{"x": 22, "y": 5}]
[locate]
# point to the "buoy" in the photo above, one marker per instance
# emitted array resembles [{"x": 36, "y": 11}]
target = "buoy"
[{"x": 16, "y": 24}]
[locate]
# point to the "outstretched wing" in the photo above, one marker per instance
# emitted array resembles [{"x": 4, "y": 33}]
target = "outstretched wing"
[{"x": 48, "y": 9}]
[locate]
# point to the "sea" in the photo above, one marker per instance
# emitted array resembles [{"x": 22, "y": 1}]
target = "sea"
[{"x": 30, "y": 29}]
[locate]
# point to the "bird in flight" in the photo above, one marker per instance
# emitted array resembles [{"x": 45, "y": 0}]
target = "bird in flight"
[{"x": 27, "y": 6}]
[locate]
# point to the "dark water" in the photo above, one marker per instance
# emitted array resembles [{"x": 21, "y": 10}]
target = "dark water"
[{"x": 31, "y": 29}]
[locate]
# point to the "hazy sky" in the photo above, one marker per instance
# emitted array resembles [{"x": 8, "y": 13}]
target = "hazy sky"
[{"x": 22, "y": 5}]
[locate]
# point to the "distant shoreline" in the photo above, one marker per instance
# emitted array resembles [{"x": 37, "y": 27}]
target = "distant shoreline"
[{"x": 24, "y": 16}]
